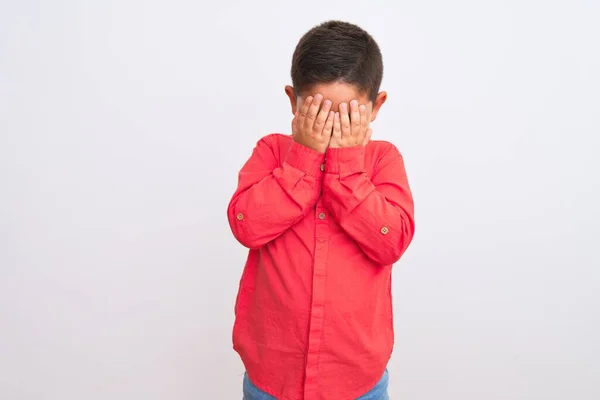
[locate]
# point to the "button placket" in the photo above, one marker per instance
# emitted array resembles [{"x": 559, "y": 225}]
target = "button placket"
[{"x": 318, "y": 302}]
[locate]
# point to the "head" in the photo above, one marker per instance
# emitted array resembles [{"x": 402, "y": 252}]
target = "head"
[{"x": 342, "y": 62}]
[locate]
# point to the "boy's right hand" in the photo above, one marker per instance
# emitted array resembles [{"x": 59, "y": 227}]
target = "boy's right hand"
[{"x": 312, "y": 124}]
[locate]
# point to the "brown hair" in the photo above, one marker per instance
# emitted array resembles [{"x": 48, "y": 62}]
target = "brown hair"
[{"x": 337, "y": 51}]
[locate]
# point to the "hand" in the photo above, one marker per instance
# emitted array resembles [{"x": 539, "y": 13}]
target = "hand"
[
  {"x": 312, "y": 125},
  {"x": 351, "y": 129}
]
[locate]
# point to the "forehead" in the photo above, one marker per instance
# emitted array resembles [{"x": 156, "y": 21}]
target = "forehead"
[{"x": 337, "y": 92}]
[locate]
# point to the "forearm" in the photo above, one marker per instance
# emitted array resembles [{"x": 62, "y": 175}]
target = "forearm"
[
  {"x": 377, "y": 215},
  {"x": 262, "y": 210}
]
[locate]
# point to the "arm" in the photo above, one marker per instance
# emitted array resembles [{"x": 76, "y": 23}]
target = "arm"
[
  {"x": 269, "y": 198},
  {"x": 378, "y": 212}
]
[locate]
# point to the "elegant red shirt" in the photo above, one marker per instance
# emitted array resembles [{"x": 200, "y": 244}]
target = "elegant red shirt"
[{"x": 314, "y": 307}]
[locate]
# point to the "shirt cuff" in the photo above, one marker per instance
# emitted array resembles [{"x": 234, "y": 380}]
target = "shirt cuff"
[
  {"x": 305, "y": 159},
  {"x": 345, "y": 160}
]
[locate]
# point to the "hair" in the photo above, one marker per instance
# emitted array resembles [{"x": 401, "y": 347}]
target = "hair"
[{"x": 337, "y": 51}]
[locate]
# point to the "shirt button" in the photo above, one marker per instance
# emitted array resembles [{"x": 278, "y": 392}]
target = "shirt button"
[
  {"x": 384, "y": 230},
  {"x": 322, "y": 167},
  {"x": 240, "y": 216},
  {"x": 321, "y": 215}
]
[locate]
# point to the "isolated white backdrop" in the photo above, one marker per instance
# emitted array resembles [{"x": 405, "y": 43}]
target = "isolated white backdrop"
[{"x": 123, "y": 125}]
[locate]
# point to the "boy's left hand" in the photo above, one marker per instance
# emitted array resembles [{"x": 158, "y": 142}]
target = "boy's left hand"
[{"x": 350, "y": 128}]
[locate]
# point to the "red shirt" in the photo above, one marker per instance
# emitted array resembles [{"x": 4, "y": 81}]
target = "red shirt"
[{"x": 314, "y": 307}]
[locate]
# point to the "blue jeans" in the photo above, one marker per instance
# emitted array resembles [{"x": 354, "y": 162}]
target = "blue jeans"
[{"x": 379, "y": 392}]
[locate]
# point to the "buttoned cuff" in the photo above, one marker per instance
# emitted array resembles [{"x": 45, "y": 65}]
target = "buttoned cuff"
[
  {"x": 305, "y": 159},
  {"x": 345, "y": 160}
]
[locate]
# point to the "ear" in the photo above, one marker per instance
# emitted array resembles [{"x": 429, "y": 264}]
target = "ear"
[
  {"x": 291, "y": 93},
  {"x": 379, "y": 100}
]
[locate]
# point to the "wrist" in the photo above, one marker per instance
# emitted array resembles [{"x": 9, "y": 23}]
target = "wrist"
[
  {"x": 320, "y": 149},
  {"x": 305, "y": 158},
  {"x": 345, "y": 160}
]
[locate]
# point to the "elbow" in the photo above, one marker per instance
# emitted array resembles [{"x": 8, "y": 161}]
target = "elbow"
[
  {"x": 387, "y": 256},
  {"x": 394, "y": 249},
  {"x": 396, "y": 253},
  {"x": 398, "y": 240},
  {"x": 244, "y": 235},
  {"x": 235, "y": 219},
  {"x": 391, "y": 255},
  {"x": 249, "y": 241}
]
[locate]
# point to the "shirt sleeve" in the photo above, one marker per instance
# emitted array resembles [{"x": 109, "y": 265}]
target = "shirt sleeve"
[
  {"x": 377, "y": 212},
  {"x": 272, "y": 196}
]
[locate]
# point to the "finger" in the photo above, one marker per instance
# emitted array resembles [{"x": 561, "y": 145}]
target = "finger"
[
  {"x": 328, "y": 124},
  {"x": 368, "y": 137},
  {"x": 345, "y": 120},
  {"x": 313, "y": 110},
  {"x": 364, "y": 120},
  {"x": 337, "y": 126},
  {"x": 355, "y": 118},
  {"x": 305, "y": 106},
  {"x": 322, "y": 116}
]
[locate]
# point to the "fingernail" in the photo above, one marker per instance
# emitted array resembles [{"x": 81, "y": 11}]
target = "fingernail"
[
  {"x": 342, "y": 105},
  {"x": 354, "y": 103},
  {"x": 318, "y": 97},
  {"x": 327, "y": 103},
  {"x": 362, "y": 107}
]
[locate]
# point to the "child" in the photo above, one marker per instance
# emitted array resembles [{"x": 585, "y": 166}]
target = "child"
[{"x": 325, "y": 213}]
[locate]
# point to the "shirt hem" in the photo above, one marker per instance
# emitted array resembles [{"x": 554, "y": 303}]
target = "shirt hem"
[{"x": 363, "y": 391}]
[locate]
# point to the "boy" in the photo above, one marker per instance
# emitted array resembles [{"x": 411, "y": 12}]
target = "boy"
[{"x": 325, "y": 213}]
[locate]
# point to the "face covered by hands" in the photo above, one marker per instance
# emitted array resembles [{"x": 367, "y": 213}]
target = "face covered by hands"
[{"x": 318, "y": 127}]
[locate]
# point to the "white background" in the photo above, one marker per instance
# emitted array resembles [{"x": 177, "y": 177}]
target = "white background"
[{"x": 124, "y": 123}]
